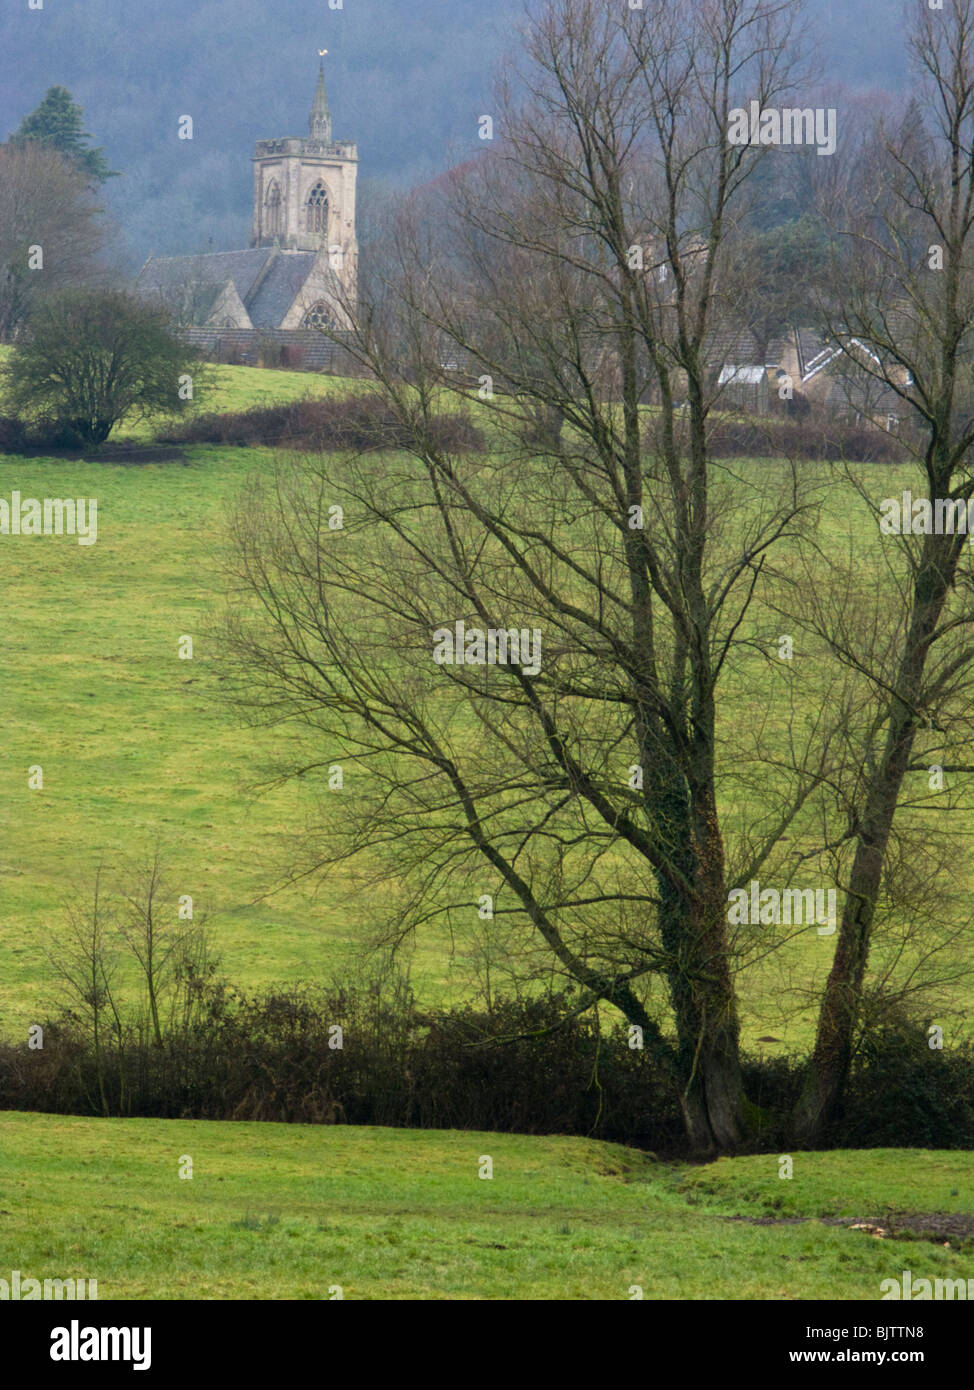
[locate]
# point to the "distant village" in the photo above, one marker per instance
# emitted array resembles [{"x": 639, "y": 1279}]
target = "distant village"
[{"x": 283, "y": 301}]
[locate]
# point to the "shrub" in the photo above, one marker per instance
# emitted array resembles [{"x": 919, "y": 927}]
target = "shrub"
[
  {"x": 902, "y": 1091},
  {"x": 362, "y": 422},
  {"x": 292, "y": 357},
  {"x": 13, "y": 435},
  {"x": 37, "y": 436},
  {"x": 524, "y": 1066},
  {"x": 811, "y": 437},
  {"x": 89, "y": 358}
]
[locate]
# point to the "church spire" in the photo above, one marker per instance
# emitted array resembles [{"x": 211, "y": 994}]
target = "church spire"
[{"x": 319, "y": 123}]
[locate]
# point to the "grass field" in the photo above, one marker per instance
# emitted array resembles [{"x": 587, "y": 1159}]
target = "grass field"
[
  {"x": 136, "y": 746},
  {"x": 279, "y": 1211}
]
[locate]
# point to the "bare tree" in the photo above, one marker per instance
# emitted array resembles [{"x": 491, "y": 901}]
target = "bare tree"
[
  {"x": 907, "y": 295},
  {"x": 577, "y": 791},
  {"x": 85, "y": 957},
  {"x": 165, "y": 947},
  {"x": 50, "y": 236}
]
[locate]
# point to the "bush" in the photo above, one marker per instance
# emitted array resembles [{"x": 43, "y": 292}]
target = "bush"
[
  {"x": 363, "y": 422},
  {"x": 524, "y": 1067},
  {"x": 37, "y": 436},
  {"x": 529, "y": 1067},
  {"x": 811, "y": 437},
  {"x": 292, "y": 357},
  {"x": 904, "y": 1092},
  {"x": 89, "y": 358},
  {"x": 232, "y": 354},
  {"x": 13, "y": 435}
]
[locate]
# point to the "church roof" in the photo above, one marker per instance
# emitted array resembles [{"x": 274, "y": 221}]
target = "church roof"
[
  {"x": 167, "y": 276},
  {"x": 199, "y": 301},
  {"x": 267, "y": 280},
  {"x": 279, "y": 288}
]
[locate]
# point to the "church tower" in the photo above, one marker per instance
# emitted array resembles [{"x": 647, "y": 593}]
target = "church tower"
[{"x": 304, "y": 193}]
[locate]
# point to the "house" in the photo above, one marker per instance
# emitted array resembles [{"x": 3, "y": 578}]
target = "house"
[
  {"x": 848, "y": 381},
  {"x": 841, "y": 380},
  {"x": 744, "y": 388},
  {"x": 795, "y": 353},
  {"x": 739, "y": 371}
]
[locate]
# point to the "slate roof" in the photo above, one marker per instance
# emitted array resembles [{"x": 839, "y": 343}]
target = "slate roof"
[
  {"x": 166, "y": 275},
  {"x": 267, "y": 280},
  {"x": 279, "y": 288},
  {"x": 204, "y": 299},
  {"x": 739, "y": 346},
  {"x": 736, "y": 346},
  {"x": 811, "y": 346},
  {"x": 189, "y": 297}
]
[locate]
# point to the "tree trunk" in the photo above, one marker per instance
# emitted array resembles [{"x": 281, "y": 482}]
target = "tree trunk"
[
  {"x": 694, "y": 932},
  {"x": 831, "y": 1059}
]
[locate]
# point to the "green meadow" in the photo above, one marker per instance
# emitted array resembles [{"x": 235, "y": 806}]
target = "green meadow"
[
  {"x": 134, "y": 743},
  {"x": 302, "y": 1212},
  {"x": 137, "y": 747}
]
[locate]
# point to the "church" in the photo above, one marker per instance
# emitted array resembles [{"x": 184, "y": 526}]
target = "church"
[{"x": 300, "y": 271}]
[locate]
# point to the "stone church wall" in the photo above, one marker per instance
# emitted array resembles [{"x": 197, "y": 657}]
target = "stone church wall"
[{"x": 299, "y": 349}]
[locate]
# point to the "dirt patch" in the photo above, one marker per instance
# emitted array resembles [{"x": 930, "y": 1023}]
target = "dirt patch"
[
  {"x": 941, "y": 1227},
  {"x": 955, "y": 1226}
]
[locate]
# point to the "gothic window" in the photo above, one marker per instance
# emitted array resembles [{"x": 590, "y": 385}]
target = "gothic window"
[
  {"x": 318, "y": 208},
  {"x": 318, "y": 316},
  {"x": 272, "y": 220}
]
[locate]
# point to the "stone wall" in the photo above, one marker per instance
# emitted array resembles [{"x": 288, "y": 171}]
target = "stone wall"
[{"x": 301, "y": 349}]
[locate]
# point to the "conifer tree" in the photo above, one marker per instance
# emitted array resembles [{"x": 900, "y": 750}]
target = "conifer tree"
[{"x": 57, "y": 124}]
